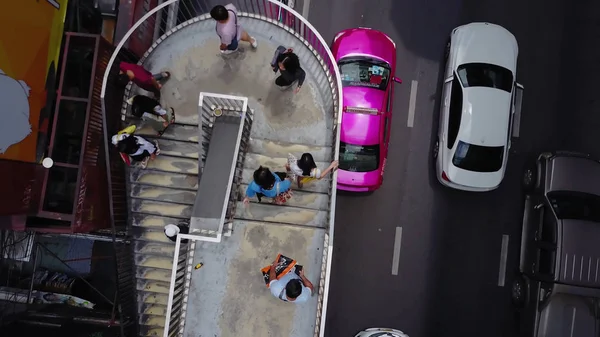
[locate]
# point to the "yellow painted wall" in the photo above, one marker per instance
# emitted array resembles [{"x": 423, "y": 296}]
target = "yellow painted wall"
[{"x": 31, "y": 32}]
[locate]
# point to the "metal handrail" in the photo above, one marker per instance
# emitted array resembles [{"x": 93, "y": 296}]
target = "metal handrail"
[{"x": 275, "y": 13}]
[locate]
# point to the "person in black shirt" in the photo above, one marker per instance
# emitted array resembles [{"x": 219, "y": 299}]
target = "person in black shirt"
[
  {"x": 289, "y": 68},
  {"x": 139, "y": 149},
  {"x": 143, "y": 106}
]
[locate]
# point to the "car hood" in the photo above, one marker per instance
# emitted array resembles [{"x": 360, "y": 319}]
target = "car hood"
[
  {"x": 474, "y": 179},
  {"x": 486, "y": 43},
  {"x": 363, "y": 97},
  {"x": 366, "y": 42},
  {"x": 572, "y": 173},
  {"x": 359, "y": 179}
]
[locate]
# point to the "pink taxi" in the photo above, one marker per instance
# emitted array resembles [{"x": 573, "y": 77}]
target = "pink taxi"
[{"x": 367, "y": 61}]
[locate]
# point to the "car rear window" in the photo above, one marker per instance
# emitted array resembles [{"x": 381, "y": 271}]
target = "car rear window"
[
  {"x": 359, "y": 158},
  {"x": 364, "y": 72},
  {"x": 485, "y": 75},
  {"x": 478, "y": 158},
  {"x": 575, "y": 205}
]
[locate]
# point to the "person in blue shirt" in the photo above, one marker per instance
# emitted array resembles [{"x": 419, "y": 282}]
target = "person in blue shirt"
[{"x": 269, "y": 184}]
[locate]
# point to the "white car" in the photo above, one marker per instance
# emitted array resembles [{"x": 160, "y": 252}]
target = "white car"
[
  {"x": 480, "y": 98},
  {"x": 381, "y": 332}
]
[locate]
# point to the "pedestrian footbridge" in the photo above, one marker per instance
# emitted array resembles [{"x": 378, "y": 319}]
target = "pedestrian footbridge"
[{"x": 207, "y": 160}]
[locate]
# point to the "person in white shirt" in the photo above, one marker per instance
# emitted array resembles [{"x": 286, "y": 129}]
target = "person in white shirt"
[
  {"x": 292, "y": 287},
  {"x": 305, "y": 169}
]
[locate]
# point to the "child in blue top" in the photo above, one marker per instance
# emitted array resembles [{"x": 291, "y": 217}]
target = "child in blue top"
[{"x": 269, "y": 184}]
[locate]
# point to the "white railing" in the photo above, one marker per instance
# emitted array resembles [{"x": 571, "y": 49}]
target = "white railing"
[
  {"x": 171, "y": 15},
  {"x": 179, "y": 285},
  {"x": 230, "y": 106}
]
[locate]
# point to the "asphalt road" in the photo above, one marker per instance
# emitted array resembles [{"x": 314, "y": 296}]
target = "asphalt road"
[{"x": 447, "y": 284}]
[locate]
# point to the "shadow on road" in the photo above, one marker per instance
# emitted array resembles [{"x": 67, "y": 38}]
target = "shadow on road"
[{"x": 420, "y": 34}]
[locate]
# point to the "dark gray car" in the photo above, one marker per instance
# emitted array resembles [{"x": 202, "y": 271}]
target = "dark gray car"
[{"x": 557, "y": 290}]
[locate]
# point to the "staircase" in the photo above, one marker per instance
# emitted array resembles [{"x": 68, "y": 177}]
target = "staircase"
[
  {"x": 308, "y": 206},
  {"x": 163, "y": 193}
]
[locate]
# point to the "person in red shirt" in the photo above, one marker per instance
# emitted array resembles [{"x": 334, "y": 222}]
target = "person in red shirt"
[{"x": 142, "y": 77}]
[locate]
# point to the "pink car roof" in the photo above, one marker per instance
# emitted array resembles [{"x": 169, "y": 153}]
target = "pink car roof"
[
  {"x": 357, "y": 128},
  {"x": 366, "y": 42},
  {"x": 360, "y": 129},
  {"x": 364, "y": 97}
]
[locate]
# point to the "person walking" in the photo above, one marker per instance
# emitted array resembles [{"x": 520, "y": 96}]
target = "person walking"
[
  {"x": 139, "y": 149},
  {"x": 229, "y": 30},
  {"x": 269, "y": 184},
  {"x": 288, "y": 65},
  {"x": 172, "y": 230},
  {"x": 291, "y": 287},
  {"x": 305, "y": 170},
  {"x": 144, "y": 106},
  {"x": 142, "y": 77}
]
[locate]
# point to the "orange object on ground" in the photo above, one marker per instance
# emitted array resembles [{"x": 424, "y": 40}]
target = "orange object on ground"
[{"x": 284, "y": 266}]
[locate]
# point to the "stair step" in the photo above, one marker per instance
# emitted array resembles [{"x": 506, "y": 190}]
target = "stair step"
[
  {"x": 163, "y": 275},
  {"x": 317, "y": 186},
  {"x": 162, "y": 194},
  {"x": 179, "y": 149},
  {"x": 275, "y": 149},
  {"x": 302, "y": 199},
  {"x": 155, "y": 248},
  {"x": 274, "y": 163},
  {"x": 143, "y": 234},
  {"x": 152, "y": 286},
  {"x": 161, "y": 208},
  {"x": 176, "y": 132},
  {"x": 153, "y": 298},
  {"x": 152, "y": 261},
  {"x": 174, "y": 180},
  {"x": 151, "y": 320},
  {"x": 153, "y": 222},
  {"x": 282, "y": 214},
  {"x": 165, "y": 163},
  {"x": 151, "y": 331},
  {"x": 154, "y": 309}
]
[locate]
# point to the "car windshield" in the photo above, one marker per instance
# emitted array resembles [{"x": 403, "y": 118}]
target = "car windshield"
[
  {"x": 478, "y": 158},
  {"x": 485, "y": 75},
  {"x": 359, "y": 158},
  {"x": 364, "y": 72},
  {"x": 575, "y": 205}
]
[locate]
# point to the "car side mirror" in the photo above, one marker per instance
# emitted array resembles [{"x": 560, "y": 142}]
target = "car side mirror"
[
  {"x": 539, "y": 206},
  {"x": 397, "y": 79},
  {"x": 449, "y": 79}
]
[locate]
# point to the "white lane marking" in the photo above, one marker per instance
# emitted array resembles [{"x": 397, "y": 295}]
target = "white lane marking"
[
  {"x": 412, "y": 103},
  {"x": 305, "y": 8},
  {"x": 396, "y": 256},
  {"x": 503, "y": 256}
]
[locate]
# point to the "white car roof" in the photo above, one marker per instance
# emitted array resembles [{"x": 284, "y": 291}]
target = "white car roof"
[
  {"x": 485, "y": 116},
  {"x": 481, "y": 42}
]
